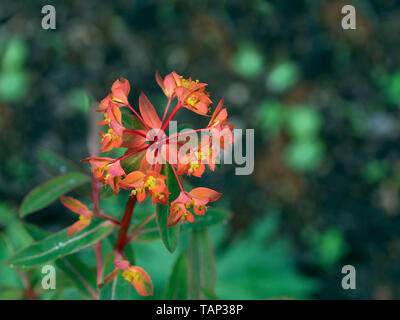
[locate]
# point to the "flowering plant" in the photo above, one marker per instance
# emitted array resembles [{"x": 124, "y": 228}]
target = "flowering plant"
[{"x": 154, "y": 160}]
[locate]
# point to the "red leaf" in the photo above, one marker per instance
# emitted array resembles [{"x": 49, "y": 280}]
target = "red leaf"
[{"x": 148, "y": 112}]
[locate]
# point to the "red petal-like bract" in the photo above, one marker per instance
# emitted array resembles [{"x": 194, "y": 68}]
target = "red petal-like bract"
[{"x": 148, "y": 112}]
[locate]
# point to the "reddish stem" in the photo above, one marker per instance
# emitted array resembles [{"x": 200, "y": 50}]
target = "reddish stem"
[
  {"x": 138, "y": 116},
  {"x": 176, "y": 135},
  {"x": 102, "y": 216},
  {"x": 166, "y": 109},
  {"x": 136, "y": 132},
  {"x": 177, "y": 178},
  {"x": 172, "y": 114},
  {"x": 27, "y": 285},
  {"x": 130, "y": 154},
  {"x": 137, "y": 231},
  {"x": 99, "y": 262},
  {"x": 126, "y": 220},
  {"x": 95, "y": 194}
]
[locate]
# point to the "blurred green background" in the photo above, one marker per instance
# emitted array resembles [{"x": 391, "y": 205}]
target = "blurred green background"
[{"x": 324, "y": 102}]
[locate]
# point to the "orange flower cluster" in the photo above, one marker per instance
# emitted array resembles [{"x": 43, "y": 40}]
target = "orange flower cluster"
[
  {"x": 145, "y": 178},
  {"x": 148, "y": 150}
]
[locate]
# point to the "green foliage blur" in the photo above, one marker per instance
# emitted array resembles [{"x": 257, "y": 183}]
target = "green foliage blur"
[{"x": 324, "y": 103}]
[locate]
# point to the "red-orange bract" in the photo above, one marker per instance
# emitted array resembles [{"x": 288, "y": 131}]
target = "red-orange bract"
[
  {"x": 145, "y": 140},
  {"x": 78, "y": 207},
  {"x": 146, "y": 179}
]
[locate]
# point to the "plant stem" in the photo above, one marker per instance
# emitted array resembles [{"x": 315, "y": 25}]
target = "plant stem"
[
  {"x": 140, "y": 227},
  {"x": 138, "y": 116},
  {"x": 136, "y": 132},
  {"x": 102, "y": 216},
  {"x": 97, "y": 246},
  {"x": 177, "y": 135},
  {"x": 26, "y": 282},
  {"x": 166, "y": 109},
  {"x": 99, "y": 262},
  {"x": 172, "y": 114},
  {"x": 177, "y": 178},
  {"x": 130, "y": 154},
  {"x": 95, "y": 194},
  {"x": 126, "y": 220}
]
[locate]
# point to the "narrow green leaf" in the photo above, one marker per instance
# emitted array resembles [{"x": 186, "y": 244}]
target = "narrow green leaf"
[
  {"x": 169, "y": 236},
  {"x": 76, "y": 271},
  {"x": 202, "y": 269},
  {"x": 211, "y": 218},
  {"x": 73, "y": 268},
  {"x": 132, "y": 163},
  {"x": 117, "y": 289},
  {"x": 106, "y": 192},
  {"x": 59, "y": 245},
  {"x": 7, "y": 293},
  {"x": 56, "y": 164},
  {"x": 130, "y": 121},
  {"x": 17, "y": 236},
  {"x": 48, "y": 192},
  {"x": 209, "y": 294},
  {"x": 178, "y": 282},
  {"x": 148, "y": 233}
]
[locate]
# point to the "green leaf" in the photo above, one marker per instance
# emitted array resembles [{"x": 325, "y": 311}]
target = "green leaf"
[
  {"x": 56, "y": 164},
  {"x": 132, "y": 163},
  {"x": 48, "y": 192},
  {"x": 178, "y": 287},
  {"x": 169, "y": 236},
  {"x": 106, "y": 192},
  {"x": 59, "y": 245},
  {"x": 7, "y": 293},
  {"x": 211, "y": 218},
  {"x": 9, "y": 277},
  {"x": 202, "y": 268},
  {"x": 118, "y": 289},
  {"x": 148, "y": 233},
  {"x": 130, "y": 121},
  {"x": 17, "y": 236},
  {"x": 209, "y": 294},
  {"x": 83, "y": 278}
]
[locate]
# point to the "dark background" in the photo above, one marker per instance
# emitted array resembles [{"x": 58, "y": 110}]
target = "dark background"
[{"x": 324, "y": 103}]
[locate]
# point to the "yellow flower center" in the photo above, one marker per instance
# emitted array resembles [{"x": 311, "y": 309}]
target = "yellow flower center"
[
  {"x": 116, "y": 99},
  {"x": 192, "y": 100},
  {"x": 129, "y": 275},
  {"x": 83, "y": 218},
  {"x": 136, "y": 191},
  {"x": 159, "y": 195},
  {"x": 150, "y": 183},
  {"x": 200, "y": 155},
  {"x": 107, "y": 119},
  {"x": 193, "y": 166},
  {"x": 110, "y": 133},
  {"x": 188, "y": 83},
  {"x": 188, "y": 205}
]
